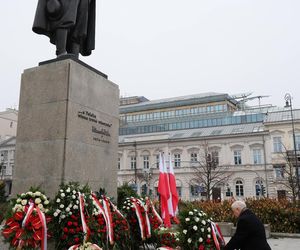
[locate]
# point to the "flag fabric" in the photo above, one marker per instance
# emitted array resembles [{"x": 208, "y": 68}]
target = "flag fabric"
[
  {"x": 164, "y": 190},
  {"x": 173, "y": 190}
]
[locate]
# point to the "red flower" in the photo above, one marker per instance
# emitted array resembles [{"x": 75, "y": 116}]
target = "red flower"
[
  {"x": 201, "y": 247},
  {"x": 65, "y": 229},
  {"x": 208, "y": 241},
  {"x": 70, "y": 223},
  {"x": 76, "y": 240}
]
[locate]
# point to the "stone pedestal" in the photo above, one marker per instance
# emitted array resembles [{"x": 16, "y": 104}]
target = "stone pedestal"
[{"x": 67, "y": 128}]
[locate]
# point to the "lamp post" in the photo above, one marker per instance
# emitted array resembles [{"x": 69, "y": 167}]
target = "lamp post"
[
  {"x": 288, "y": 104},
  {"x": 2, "y": 165}
]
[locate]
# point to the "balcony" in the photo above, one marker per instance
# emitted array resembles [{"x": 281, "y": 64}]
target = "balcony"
[{"x": 291, "y": 157}]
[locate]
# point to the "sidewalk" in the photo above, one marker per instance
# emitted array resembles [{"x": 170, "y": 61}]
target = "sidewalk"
[
  {"x": 275, "y": 244},
  {"x": 281, "y": 243}
]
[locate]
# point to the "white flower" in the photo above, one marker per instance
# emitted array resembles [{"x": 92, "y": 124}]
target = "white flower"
[
  {"x": 58, "y": 200},
  {"x": 128, "y": 208},
  {"x": 202, "y": 230},
  {"x": 123, "y": 207},
  {"x": 46, "y": 202},
  {"x": 58, "y": 211},
  {"x": 61, "y": 191},
  {"x": 61, "y": 205},
  {"x": 195, "y": 228},
  {"x": 62, "y": 195},
  {"x": 200, "y": 239},
  {"x": 184, "y": 231},
  {"x": 55, "y": 214},
  {"x": 73, "y": 197},
  {"x": 63, "y": 216},
  {"x": 23, "y": 195},
  {"x": 74, "y": 192},
  {"x": 70, "y": 213},
  {"x": 40, "y": 206},
  {"x": 37, "y": 193},
  {"x": 177, "y": 239},
  {"x": 19, "y": 200},
  {"x": 203, "y": 222},
  {"x": 67, "y": 209},
  {"x": 197, "y": 219},
  {"x": 44, "y": 197},
  {"x": 30, "y": 193},
  {"x": 208, "y": 236},
  {"x": 68, "y": 190},
  {"x": 189, "y": 240},
  {"x": 46, "y": 210},
  {"x": 77, "y": 202},
  {"x": 195, "y": 210},
  {"x": 187, "y": 219},
  {"x": 208, "y": 229},
  {"x": 24, "y": 202},
  {"x": 191, "y": 213},
  {"x": 37, "y": 201},
  {"x": 75, "y": 207}
]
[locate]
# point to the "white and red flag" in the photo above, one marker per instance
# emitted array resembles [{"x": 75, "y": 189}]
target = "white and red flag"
[
  {"x": 173, "y": 190},
  {"x": 164, "y": 190}
]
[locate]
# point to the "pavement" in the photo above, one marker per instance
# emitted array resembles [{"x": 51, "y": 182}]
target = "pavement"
[
  {"x": 281, "y": 243},
  {"x": 275, "y": 243}
]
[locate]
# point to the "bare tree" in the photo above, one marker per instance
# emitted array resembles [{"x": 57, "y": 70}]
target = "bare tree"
[
  {"x": 288, "y": 171},
  {"x": 209, "y": 174}
]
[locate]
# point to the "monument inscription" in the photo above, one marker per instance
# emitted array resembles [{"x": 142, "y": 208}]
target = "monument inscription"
[{"x": 100, "y": 130}]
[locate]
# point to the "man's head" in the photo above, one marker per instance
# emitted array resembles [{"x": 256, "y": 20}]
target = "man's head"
[{"x": 237, "y": 207}]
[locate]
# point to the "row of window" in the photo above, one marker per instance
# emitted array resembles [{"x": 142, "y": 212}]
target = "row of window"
[
  {"x": 212, "y": 157},
  {"x": 173, "y": 113},
  {"x": 199, "y": 191},
  {"x": 7, "y": 154},
  {"x": 230, "y": 120}
]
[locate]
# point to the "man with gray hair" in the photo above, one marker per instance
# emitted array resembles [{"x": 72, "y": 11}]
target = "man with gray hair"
[{"x": 250, "y": 232}]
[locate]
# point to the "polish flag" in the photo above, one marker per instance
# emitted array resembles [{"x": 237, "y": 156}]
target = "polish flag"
[
  {"x": 164, "y": 190},
  {"x": 173, "y": 190}
]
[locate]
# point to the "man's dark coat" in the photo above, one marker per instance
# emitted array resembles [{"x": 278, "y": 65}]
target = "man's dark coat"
[
  {"x": 250, "y": 233},
  {"x": 78, "y": 16}
]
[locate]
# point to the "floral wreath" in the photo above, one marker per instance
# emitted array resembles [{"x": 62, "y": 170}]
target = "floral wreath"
[{"x": 26, "y": 223}]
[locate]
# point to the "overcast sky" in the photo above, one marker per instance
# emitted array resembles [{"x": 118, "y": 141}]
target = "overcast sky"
[{"x": 168, "y": 48}]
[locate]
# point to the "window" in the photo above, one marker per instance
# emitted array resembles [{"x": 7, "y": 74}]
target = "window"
[
  {"x": 177, "y": 160},
  {"x": 146, "y": 161},
  {"x": 239, "y": 188},
  {"x": 133, "y": 162},
  {"x": 277, "y": 145},
  {"x": 297, "y": 142},
  {"x": 119, "y": 163},
  {"x": 194, "y": 157},
  {"x": 237, "y": 155},
  {"x": 257, "y": 159},
  {"x": 157, "y": 161},
  {"x": 279, "y": 172},
  {"x": 258, "y": 188},
  {"x": 4, "y": 155},
  {"x": 215, "y": 157},
  {"x": 178, "y": 191},
  {"x": 3, "y": 170},
  {"x": 195, "y": 190}
]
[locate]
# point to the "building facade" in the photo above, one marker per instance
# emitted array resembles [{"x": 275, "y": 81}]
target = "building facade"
[
  {"x": 206, "y": 135},
  {"x": 8, "y": 123}
]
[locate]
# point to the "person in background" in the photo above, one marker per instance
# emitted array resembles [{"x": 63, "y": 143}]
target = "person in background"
[{"x": 250, "y": 232}]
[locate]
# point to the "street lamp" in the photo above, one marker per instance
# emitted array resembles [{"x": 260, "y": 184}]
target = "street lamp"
[
  {"x": 288, "y": 104},
  {"x": 2, "y": 165}
]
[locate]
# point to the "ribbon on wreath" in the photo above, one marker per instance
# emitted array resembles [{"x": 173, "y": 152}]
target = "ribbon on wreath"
[
  {"x": 109, "y": 219},
  {"x": 144, "y": 223},
  {"x": 110, "y": 231},
  {"x": 217, "y": 235},
  {"x": 150, "y": 206},
  {"x": 85, "y": 228}
]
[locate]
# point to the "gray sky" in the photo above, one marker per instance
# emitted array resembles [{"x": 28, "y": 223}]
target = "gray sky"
[{"x": 167, "y": 48}]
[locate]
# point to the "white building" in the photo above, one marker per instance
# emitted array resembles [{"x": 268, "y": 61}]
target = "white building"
[
  {"x": 242, "y": 143},
  {"x": 8, "y": 123}
]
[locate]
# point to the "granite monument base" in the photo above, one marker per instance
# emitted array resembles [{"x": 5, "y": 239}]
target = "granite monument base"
[{"x": 67, "y": 128}]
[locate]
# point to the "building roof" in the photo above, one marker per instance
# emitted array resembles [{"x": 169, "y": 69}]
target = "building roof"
[
  {"x": 177, "y": 101},
  {"x": 250, "y": 128},
  {"x": 282, "y": 116}
]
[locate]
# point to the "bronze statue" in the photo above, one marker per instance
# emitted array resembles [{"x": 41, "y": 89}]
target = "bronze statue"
[{"x": 70, "y": 25}]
